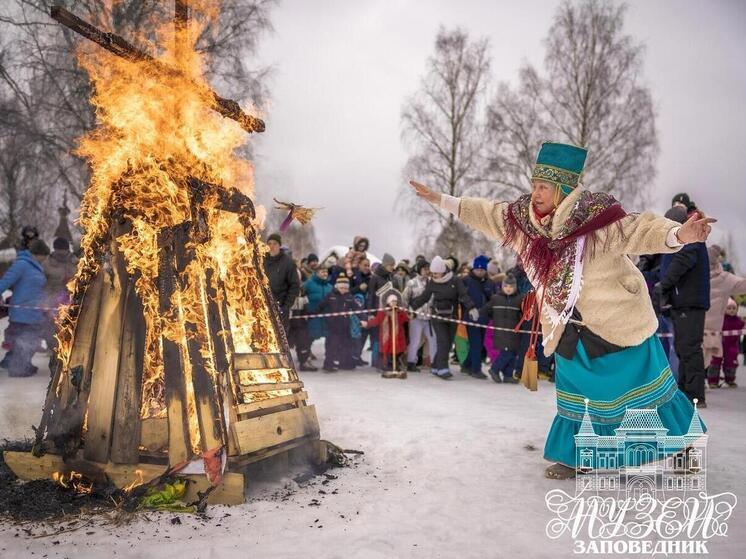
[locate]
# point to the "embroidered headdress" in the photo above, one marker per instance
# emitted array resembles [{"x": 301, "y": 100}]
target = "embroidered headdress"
[{"x": 561, "y": 164}]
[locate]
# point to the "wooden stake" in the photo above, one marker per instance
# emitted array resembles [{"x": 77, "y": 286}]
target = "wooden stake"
[
  {"x": 106, "y": 359},
  {"x": 126, "y": 437}
]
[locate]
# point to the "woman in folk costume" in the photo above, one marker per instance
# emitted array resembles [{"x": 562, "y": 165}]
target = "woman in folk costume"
[{"x": 574, "y": 244}]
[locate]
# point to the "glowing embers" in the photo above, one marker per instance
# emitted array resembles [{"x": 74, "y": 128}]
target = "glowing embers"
[{"x": 74, "y": 481}]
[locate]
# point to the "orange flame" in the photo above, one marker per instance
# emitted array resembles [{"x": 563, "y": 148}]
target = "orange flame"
[
  {"x": 74, "y": 480},
  {"x": 155, "y": 130}
]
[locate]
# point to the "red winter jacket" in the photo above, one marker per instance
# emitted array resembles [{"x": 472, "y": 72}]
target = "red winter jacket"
[{"x": 383, "y": 319}]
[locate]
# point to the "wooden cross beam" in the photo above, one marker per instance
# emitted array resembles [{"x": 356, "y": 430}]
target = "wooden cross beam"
[{"x": 117, "y": 45}]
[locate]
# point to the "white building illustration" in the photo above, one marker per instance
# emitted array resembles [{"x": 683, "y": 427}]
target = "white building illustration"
[{"x": 641, "y": 458}]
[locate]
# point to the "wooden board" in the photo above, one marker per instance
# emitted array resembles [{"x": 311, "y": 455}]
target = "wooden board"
[
  {"x": 126, "y": 435},
  {"x": 154, "y": 434},
  {"x": 260, "y": 361},
  {"x": 272, "y": 403},
  {"x": 269, "y": 430},
  {"x": 229, "y": 492},
  {"x": 106, "y": 360},
  {"x": 267, "y": 386},
  {"x": 28, "y": 467},
  {"x": 69, "y": 411}
]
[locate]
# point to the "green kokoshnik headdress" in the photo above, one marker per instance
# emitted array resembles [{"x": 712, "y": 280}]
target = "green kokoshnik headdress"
[{"x": 561, "y": 164}]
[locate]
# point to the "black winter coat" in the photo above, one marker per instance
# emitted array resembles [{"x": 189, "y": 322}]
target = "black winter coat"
[
  {"x": 358, "y": 279},
  {"x": 446, "y": 297},
  {"x": 505, "y": 312},
  {"x": 377, "y": 280},
  {"x": 283, "y": 279},
  {"x": 685, "y": 277},
  {"x": 338, "y": 302}
]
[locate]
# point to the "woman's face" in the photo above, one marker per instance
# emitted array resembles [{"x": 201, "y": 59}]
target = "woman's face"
[
  {"x": 437, "y": 275},
  {"x": 542, "y": 196}
]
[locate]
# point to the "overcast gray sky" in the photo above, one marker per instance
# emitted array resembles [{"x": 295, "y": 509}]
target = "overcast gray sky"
[{"x": 343, "y": 68}]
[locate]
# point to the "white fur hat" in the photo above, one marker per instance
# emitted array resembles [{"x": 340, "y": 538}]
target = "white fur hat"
[{"x": 438, "y": 265}]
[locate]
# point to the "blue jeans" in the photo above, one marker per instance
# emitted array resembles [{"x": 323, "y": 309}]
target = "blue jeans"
[{"x": 476, "y": 342}]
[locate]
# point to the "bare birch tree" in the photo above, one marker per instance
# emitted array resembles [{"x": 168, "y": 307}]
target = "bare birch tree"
[
  {"x": 442, "y": 124},
  {"x": 590, "y": 94}
]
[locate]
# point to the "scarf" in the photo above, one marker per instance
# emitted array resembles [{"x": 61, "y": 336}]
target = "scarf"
[
  {"x": 445, "y": 278},
  {"x": 555, "y": 264}
]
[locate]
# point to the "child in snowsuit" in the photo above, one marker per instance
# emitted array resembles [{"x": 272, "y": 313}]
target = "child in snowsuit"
[
  {"x": 731, "y": 348},
  {"x": 505, "y": 310},
  {"x": 391, "y": 350},
  {"x": 338, "y": 343}
]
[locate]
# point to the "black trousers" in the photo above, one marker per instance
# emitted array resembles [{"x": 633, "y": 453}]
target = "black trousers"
[
  {"x": 445, "y": 332},
  {"x": 689, "y": 327},
  {"x": 300, "y": 337}
]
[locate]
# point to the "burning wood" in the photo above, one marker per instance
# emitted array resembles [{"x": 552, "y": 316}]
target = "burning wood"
[{"x": 172, "y": 326}]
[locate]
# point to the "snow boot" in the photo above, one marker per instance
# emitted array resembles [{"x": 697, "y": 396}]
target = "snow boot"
[{"x": 412, "y": 368}]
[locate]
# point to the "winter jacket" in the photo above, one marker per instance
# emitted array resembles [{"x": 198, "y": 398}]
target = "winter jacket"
[
  {"x": 337, "y": 302},
  {"x": 385, "y": 339},
  {"x": 505, "y": 312},
  {"x": 480, "y": 290},
  {"x": 377, "y": 280},
  {"x": 685, "y": 277},
  {"x": 446, "y": 293},
  {"x": 353, "y": 256},
  {"x": 26, "y": 279},
  {"x": 613, "y": 301},
  {"x": 731, "y": 342},
  {"x": 316, "y": 291},
  {"x": 283, "y": 279},
  {"x": 59, "y": 269},
  {"x": 415, "y": 287},
  {"x": 722, "y": 286},
  {"x": 359, "y": 278}
]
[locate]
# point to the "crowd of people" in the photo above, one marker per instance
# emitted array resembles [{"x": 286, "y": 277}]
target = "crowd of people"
[
  {"x": 470, "y": 316},
  {"x": 37, "y": 280}
]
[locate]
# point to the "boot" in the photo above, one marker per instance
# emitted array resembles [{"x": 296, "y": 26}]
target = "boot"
[
  {"x": 305, "y": 367},
  {"x": 412, "y": 368},
  {"x": 389, "y": 374},
  {"x": 730, "y": 378},
  {"x": 713, "y": 376}
]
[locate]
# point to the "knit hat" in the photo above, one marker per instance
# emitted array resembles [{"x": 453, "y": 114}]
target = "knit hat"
[
  {"x": 61, "y": 244},
  {"x": 677, "y": 213},
  {"x": 480, "y": 262},
  {"x": 403, "y": 267},
  {"x": 438, "y": 266},
  {"x": 509, "y": 280},
  {"x": 38, "y": 247},
  {"x": 682, "y": 198},
  {"x": 275, "y": 237},
  {"x": 312, "y": 258},
  {"x": 388, "y": 260},
  {"x": 342, "y": 280},
  {"x": 493, "y": 268}
]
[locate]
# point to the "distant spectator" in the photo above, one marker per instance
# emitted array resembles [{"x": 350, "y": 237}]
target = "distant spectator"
[
  {"x": 338, "y": 343},
  {"x": 420, "y": 325},
  {"x": 480, "y": 289},
  {"x": 504, "y": 308},
  {"x": 26, "y": 279},
  {"x": 283, "y": 278}
]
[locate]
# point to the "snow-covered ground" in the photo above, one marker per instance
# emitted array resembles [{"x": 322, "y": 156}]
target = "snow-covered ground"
[{"x": 451, "y": 469}]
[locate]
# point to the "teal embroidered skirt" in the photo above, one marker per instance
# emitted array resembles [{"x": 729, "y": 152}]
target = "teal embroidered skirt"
[{"x": 637, "y": 377}]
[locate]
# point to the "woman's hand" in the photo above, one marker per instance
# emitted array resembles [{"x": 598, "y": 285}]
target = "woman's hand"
[
  {"x": 424, "y": 192},
  {"x": 696, "y": 229}
]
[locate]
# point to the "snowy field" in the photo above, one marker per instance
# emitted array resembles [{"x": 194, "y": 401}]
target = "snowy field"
[{"x": 451, "y": 469}]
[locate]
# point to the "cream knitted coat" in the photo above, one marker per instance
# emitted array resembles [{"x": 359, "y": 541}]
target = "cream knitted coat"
[{"x": 614, "y": 300}]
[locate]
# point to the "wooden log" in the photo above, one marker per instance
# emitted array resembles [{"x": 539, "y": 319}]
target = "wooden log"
[
  {"x": 179, "y": 447},
  {"x": 277, "y": 428},
  {"x": 268, "y": 386},
  {"x": 257, "y": 361},
  {"x": 106, "y": 359},
  {"x": 272, "y": 403},
  {"x": 228, "y": 199},
  {"x": 119, "y": 46},
  {"x": 76, "y": 381},
  {"x": 209, "y": 410},
  {"x": 221, "y": 350},
  {"x": 154, "y": 434},
  {"x": 230, "y": 491},
  {"x": 248, "y": 459},
  {"x": 126, "y": 436}
]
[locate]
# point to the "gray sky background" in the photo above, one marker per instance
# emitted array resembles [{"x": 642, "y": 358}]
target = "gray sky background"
[{"x": 344, "y": 68}]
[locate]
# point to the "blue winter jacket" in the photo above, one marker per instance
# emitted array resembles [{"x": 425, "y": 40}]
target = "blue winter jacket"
[
  {"x": 26, "y": 279},
  {"x": 480, "y": 291},
  {"x": 316, "y": 291}
]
